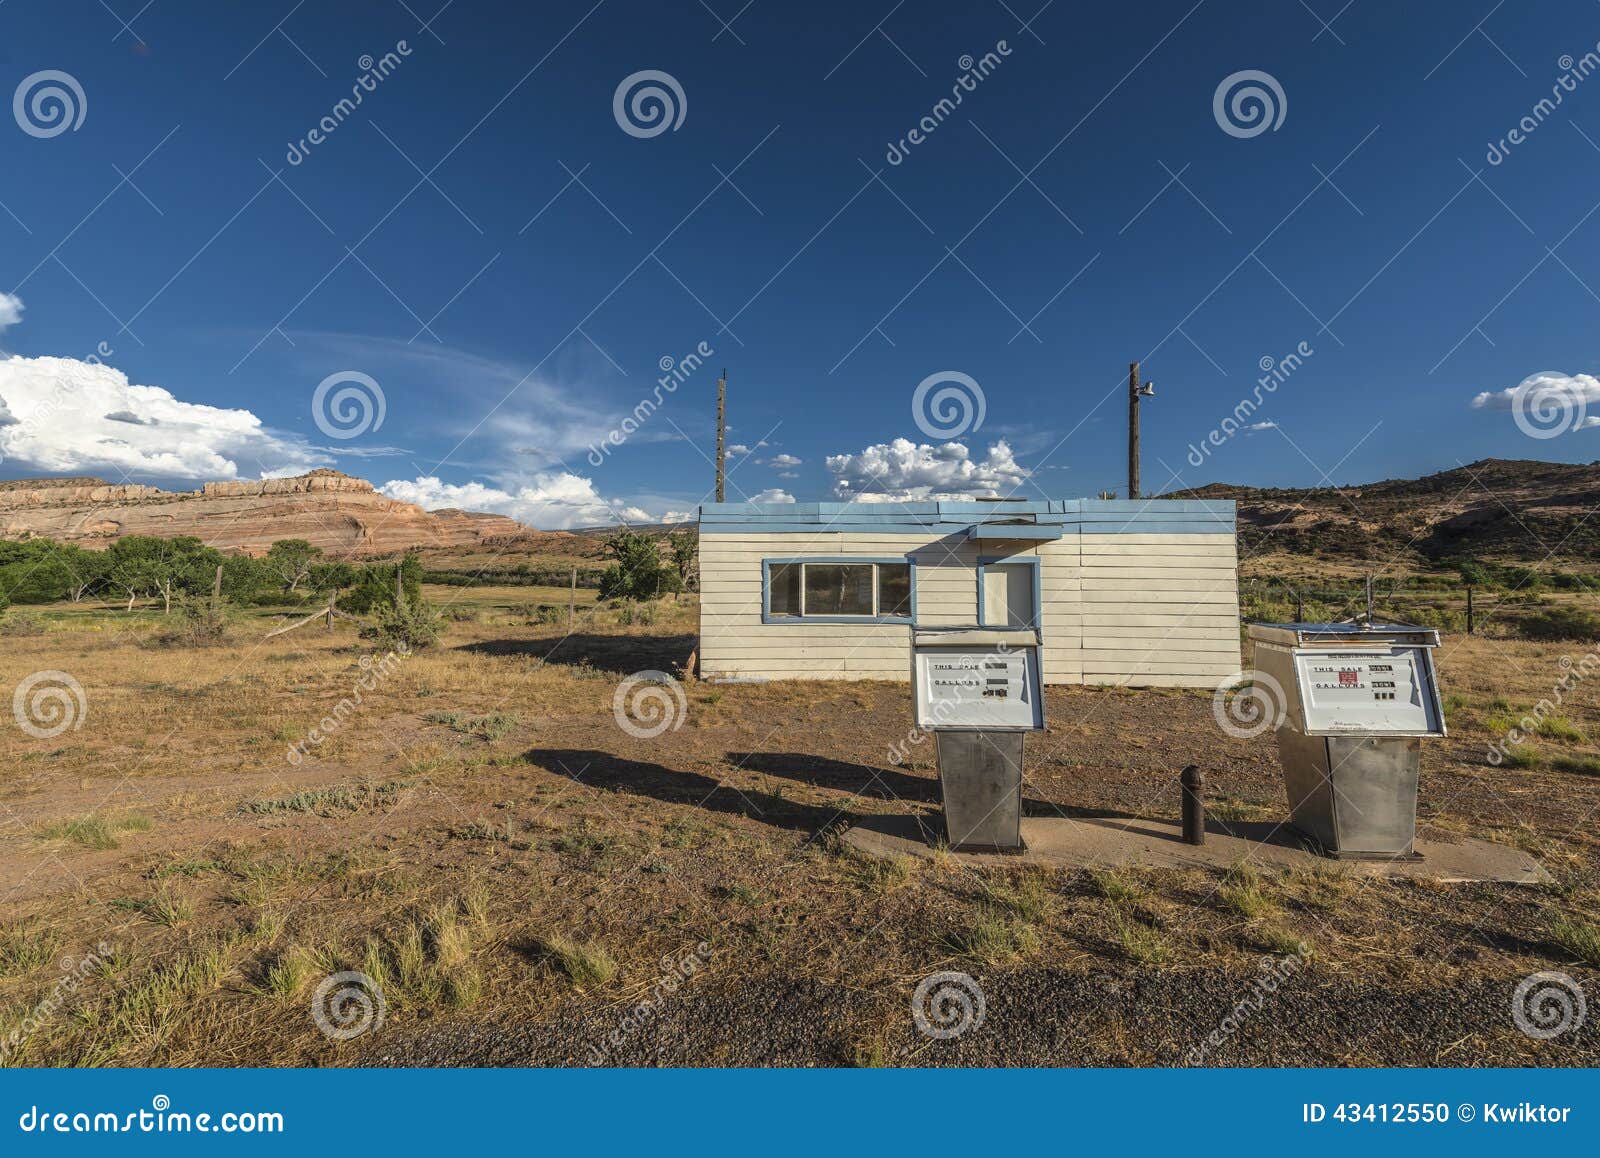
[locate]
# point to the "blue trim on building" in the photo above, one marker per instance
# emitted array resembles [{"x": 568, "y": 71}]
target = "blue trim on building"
[
  {"x": 1020, "y": 532},
  {"x": 899, "y": 620},
  {"x": 1027, "y": 521},
  {"x": 1038, "y": 595}
]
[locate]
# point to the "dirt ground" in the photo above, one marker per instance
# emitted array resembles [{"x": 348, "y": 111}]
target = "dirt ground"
[{"x": 526, "y": 882}]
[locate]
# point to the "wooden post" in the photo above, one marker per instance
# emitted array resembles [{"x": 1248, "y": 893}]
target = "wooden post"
[
  {"x": 1133, "y": 430},
  {"x": 216, "y": 589},
  {"x": 572, "y": 600},
  {"x": 1369, "y": 597},
  {"x": 722, "y": 431},
  {"x": 399, "y": 586},
  {"x": 1299, "y": 606},
  {"x": 1470, "y": 623}
]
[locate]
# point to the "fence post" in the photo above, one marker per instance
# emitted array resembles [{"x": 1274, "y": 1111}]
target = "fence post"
[
  {"x": 1469, "y": 609},
  {"x": 572, "y": 600},
  {"x": 1299, "y": 606}
]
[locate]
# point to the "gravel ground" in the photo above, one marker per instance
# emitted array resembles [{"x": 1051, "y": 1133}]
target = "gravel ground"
[{"x": 1033, "y": 1017}]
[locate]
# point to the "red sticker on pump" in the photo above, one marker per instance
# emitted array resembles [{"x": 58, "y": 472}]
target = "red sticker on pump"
[{"x": 1349, "y": 678}]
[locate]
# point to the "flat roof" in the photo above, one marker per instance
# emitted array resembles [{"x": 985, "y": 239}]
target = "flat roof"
[{"x": 1029, "y": 518}]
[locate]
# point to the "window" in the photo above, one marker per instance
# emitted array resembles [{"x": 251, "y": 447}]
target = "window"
[{"x": 839, "y": 589}]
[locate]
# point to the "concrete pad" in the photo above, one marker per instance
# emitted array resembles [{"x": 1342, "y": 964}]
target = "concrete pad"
[{"x": 1118, "y": 841}]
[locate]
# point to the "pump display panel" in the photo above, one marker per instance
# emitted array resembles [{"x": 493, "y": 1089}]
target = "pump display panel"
[
  {"x": 959, "y": 687},
  {"x": 1384, "y": 690}
]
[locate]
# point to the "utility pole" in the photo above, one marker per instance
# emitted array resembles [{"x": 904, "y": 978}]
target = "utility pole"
[
  {"x": 1136, "y": 391},
  {"x": 722, "y": 430}
]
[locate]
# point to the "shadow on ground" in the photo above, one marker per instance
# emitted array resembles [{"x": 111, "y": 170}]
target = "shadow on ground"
[
  {"x": 617, "y": 773},
  {"x": 624, "y": 654}
]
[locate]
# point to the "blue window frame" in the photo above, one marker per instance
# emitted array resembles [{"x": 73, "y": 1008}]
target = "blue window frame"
[
  {"x": 787, "y": 579},
  {"x": 1030, "y": 561}
]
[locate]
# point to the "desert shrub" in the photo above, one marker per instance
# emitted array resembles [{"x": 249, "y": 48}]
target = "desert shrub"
[
  {"x": 200, "y": 623},
  {"x": 1559, "y": 624},
  {"x": 20, "y": 622},
  {"x": 407, "y": 624}
]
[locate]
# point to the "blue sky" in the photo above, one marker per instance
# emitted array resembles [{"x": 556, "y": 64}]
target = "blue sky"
[{"x": 483, "y": 240}]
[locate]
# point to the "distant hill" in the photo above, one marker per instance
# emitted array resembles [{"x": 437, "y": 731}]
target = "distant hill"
[
  {"x": 340, "y": 514},
  {"x": 1499, "y": 509}
]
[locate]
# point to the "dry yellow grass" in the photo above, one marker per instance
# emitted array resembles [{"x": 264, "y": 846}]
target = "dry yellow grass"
[{"x": 448, "y": 863}]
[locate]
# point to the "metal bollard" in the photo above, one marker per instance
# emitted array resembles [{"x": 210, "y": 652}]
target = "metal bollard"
[{"x": 1194, "y": 805}]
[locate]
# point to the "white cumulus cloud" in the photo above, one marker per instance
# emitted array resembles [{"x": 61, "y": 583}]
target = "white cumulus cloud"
[
  {"x": 784, "y": 461},
  {"x": 1551, "y": 390},
  {"x": 65, "y": 416},
  {"x": 10, "y": 310},
  {"x": 903, "y": 470},
  {"x": 773, "y": 495},
  {"x": 557, "y": 500}
]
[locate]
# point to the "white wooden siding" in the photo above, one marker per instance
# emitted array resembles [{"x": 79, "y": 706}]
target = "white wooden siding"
[{"x": 1137, "y": 609}]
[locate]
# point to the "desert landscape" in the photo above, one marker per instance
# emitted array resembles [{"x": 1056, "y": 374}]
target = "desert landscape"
[{"x": 225, "y": 819}]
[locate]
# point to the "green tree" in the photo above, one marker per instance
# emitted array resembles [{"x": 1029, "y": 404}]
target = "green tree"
[
  {"x": 638, "y": 572},
  {"x": 684, "y": 547},
  {"x": 291, "y": 561}
]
